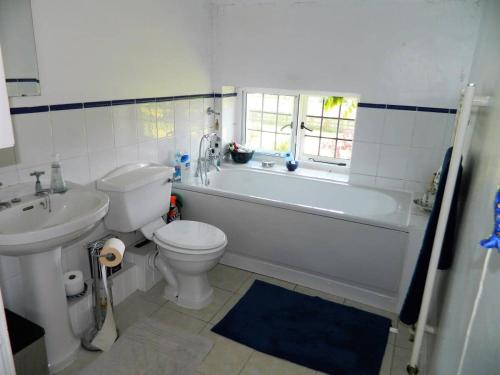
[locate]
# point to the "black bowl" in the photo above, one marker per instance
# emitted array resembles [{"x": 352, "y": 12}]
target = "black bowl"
[
  {"x": 292, "y": 166},
  {"x": 241, "y": 157}
]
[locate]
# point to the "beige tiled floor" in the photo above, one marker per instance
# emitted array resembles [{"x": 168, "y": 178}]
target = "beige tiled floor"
[{"x": 229, "y": 357}]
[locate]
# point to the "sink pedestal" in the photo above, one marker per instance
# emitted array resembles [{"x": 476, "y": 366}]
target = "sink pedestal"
[{"x": 45, "y": 304}]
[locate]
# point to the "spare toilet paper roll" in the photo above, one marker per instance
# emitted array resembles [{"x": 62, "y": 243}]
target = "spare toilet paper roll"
[
  {"x": 73, "y": 283},
  {"x": 115, "y": 247}
]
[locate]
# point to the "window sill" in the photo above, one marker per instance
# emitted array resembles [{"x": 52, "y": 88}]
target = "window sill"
[{"x": 303, "y": 170}]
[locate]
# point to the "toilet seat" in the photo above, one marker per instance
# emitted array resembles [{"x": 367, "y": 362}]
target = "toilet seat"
[{"x": 190, "y": 237}]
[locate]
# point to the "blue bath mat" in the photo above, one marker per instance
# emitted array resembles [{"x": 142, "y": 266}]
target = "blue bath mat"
[{"x": 309, "y": 331}]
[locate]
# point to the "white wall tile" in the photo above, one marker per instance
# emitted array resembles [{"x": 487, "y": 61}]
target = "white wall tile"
[
  {"x": 398, "y": 127},
  {"x": 369, "y": 125},
  {"x": 24, "y": 174},
  {"x": 146, "y": 122},
  {"x": 101, "y": 162},
  {"x": 125, "y": 124},
  {"x": 207, "y": 119},
  {"x": 389, "y": 183},
  {"x": 361, "y": 179},
  {"x": 127, "y": 154},
  {"x": 33, "y": 135},
  {"x": 148, "y": 151},
  {"x": 195, "y": 144},
  {"x": 99, "y": 128},
  {"x": 393, "y": 161},
  {"x": 77, "y": 169},
  {"x": 422, "y": 162},
  {"x": 429, "y": 129},
  {"x": 165, "y": 120},
  {"x": 68, "y": 131},
  {"x": 449, "y": 130},
  {"x": 182, "y": 126},
  {"x": 364, "y": 158},
  {"x": 197, "y": 114},
  {"x": 166, "y": 151},
  {"x": 8, "y": 177}
]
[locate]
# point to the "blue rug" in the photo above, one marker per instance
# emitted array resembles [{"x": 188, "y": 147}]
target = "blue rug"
[{"x": 309, "y": 331}]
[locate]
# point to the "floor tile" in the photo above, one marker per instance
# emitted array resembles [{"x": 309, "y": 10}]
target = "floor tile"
[
  {"x": 155, "y": 294},
  {"x": 220, "y": 298},
  {"x": 317, "y": 293},
  {"x": 233, "y": 300},
  {"x": 83, "y": 358},
  {"x": 179, "y": 320},
  {"x": 227, "y": 278},
  {"x": 248, "y": 283},
  {"x": 263, "y": 364},
  {"x": 403, "y": 337},
  {"x": 226, "y": 357},
  {"x": 400, "y": 360},
  {"x": 132, "y": 309},
  {"x": 385, "y": 369}
]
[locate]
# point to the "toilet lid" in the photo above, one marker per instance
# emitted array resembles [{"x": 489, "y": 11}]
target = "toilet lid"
[{"x": 191, "y": 235}]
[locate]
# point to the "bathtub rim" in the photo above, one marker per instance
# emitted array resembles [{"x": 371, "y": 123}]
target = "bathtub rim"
[{"x": 300, "y": 207}]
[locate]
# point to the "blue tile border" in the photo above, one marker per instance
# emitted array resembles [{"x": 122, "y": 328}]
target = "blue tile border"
[
  {"x": 108, "y": 103},
  {"x": 65, "y": 107},
  {"x": 11, "y": 80},
  {"x": 24, "y": 110},
  {"x": 407, "y": 108}
]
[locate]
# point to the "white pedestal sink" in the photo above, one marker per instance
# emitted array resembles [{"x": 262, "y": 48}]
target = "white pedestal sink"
[{"x": 35, "y": 230}]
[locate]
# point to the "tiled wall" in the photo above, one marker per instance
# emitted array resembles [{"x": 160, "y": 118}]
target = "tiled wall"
[
  {"x": 399, "y": 148},
  {"x": 94, "y": 138}
]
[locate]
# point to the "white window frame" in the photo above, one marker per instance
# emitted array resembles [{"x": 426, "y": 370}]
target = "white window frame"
[{"x": 299, "y": 115}]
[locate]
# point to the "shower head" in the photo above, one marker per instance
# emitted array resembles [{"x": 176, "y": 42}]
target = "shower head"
[{"x": 211, "y": 111}]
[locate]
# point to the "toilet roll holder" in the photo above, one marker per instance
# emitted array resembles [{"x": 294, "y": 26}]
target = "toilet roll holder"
[{"x": 99, "y": 310}]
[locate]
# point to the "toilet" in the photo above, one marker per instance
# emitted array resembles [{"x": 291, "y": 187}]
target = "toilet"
[{"x": 139, "y": 196}]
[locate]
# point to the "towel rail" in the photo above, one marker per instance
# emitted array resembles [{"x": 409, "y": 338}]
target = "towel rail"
[{"x": 461, "y": 123}]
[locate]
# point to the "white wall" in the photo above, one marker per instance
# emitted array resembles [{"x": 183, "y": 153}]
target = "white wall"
[
  {"x": 102, "y": 50},
  {"x": 389, "y": 51},
  {"x": 482, "y": 177}
]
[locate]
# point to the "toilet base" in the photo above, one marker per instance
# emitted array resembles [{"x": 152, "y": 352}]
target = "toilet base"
[{"x": 193, "y": 292}]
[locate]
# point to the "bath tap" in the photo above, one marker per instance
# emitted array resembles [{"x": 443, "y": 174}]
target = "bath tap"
[{"x": 211, "y": 156}]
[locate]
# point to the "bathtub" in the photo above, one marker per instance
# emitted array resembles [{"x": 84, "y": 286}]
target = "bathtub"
[{"x": 336, "y": 237}]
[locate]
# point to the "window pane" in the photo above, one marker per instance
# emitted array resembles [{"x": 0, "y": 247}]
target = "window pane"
[
  {"x": 270, "y": 103},
  {"x": 285, "y": 104},
  {"x": 268, "y": 141},
  {"x": 327, "y": 148},
  {"x": 314, "y": 105},
  {"x": 346, "y": 129},
  {"x": 282, "y": 121},
  {"x": 268, "y": 122},
  {"x": 349, "y": 108},
  {"x": 344, "y": 149},
  {"x": 314, "y": 124},
  {"x": 254, "y": 102},
  {"x": 332, "y": 111},
  {"x": 282, "y": 143},
  {"x": 254, "y": 120},
  {"x": 329, "y": 128},
  {"x": 311, "y": 146},
  {"x": 253, "y": 139}
]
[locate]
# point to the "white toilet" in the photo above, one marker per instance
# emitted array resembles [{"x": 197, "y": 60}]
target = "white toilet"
[{"x": 139, "y": 195}]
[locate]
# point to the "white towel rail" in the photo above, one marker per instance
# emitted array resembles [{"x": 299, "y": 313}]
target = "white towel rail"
[{"x": 463, "y": 117}]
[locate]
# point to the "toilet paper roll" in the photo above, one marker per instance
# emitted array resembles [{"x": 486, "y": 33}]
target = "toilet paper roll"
[
  {"x": 114, "y": 247},
  {"x": 73, "y": 283}
]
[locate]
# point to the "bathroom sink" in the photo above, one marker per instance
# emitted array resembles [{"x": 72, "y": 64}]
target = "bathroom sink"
[
  {"x": 34, "y": 230},
  {"x": 39, "y": 224}
]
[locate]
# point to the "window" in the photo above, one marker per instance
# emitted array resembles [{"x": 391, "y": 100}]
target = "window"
[
  {"x": 270, "y": 121},
  {"x": 326, "y": 126}
]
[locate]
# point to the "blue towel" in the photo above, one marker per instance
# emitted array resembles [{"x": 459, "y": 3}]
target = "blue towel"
[{"x": 411, "y": 307}]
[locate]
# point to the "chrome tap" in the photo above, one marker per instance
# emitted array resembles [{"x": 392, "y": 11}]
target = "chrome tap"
[
  {"x": 210, "y": 156},
  {"x": 39, "y": 191}
]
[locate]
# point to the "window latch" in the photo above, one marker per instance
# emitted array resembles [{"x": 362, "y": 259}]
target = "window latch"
[
  {"x": 286, "y": 126},
  {"x": 302, "y": 126}
]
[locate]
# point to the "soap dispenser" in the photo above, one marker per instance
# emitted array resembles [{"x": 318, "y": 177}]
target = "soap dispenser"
[{"x": 57, "y": 183}]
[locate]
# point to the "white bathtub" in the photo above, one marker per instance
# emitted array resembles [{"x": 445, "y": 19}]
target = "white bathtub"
[{"x": 339, "y": 238}]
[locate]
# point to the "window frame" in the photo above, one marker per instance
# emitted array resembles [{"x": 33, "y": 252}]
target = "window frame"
[{"x": 298, "y": 116}]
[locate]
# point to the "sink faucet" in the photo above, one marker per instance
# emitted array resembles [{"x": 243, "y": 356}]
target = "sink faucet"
[{"x": 39, "y": 191}]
